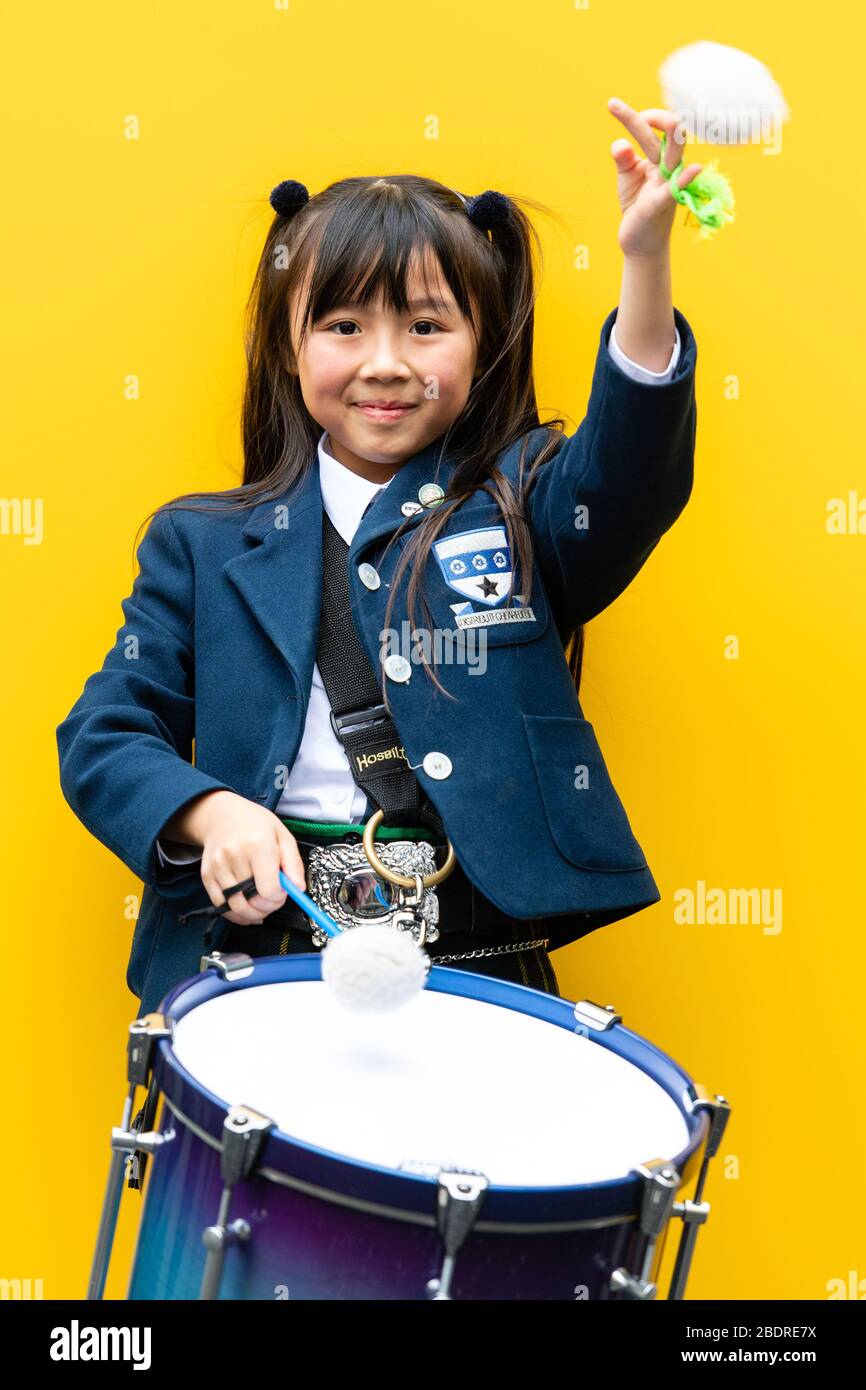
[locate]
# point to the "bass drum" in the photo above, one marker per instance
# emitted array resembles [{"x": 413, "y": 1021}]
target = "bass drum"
[{"x": 486, "y": 1141}]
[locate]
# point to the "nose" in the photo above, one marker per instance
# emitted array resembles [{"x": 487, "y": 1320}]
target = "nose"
[{"x": 384, "y": 360}]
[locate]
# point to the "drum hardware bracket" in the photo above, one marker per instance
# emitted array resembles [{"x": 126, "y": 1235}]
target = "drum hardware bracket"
[
  {"x": 658, "y": 1205},
  {"x": 458, "y": 1202},
  {"x": 143, "y": 1033},
  {"x": 126, "y": 1140},
  {"x": 589, "y": 1015},
  {"x": 129, "y": 1141},
  {"x": 134, "y": 1165},
  {"x": 244, "y": 1133},
  {"x": 695, "y": 1212},
  {"x": 692, "y": 1212},
  {"x": 232, "y": 965},
  {"x": 133, "y": 1142},
  {"x": 660, "y": 1182}
]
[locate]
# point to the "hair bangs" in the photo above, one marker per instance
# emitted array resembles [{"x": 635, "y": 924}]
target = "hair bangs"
[{"x": 389, "y": 239}]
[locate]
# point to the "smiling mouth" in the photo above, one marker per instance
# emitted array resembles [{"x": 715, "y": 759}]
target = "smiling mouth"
[{"x": 383, "y": 412}]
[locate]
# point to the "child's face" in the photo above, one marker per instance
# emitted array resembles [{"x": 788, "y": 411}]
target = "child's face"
[{"x": 424, "y": 359}]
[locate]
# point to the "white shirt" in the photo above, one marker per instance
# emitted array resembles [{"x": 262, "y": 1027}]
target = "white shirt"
[{"x": 320, "y": 785}]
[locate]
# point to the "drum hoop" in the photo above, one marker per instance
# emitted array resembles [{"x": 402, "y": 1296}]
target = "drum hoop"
[{"x": 402, "y": 1193}]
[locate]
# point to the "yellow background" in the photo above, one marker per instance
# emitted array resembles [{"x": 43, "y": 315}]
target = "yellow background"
[{"x": 135, "y": 257}]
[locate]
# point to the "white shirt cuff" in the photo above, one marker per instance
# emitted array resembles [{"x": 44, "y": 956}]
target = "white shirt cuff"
[
  {"x": 635, "y": 370},
  {"x": 192, "y": 855}
]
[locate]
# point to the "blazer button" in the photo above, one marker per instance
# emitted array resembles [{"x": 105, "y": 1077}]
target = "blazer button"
[
  {"x": 437, "y": 765},
  {"x": 369, "y": 576},
  {"x": 397, "y": 668}
]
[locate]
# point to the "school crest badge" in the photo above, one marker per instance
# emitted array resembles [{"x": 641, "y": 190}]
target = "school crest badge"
[{"x": 477, "y": 565}]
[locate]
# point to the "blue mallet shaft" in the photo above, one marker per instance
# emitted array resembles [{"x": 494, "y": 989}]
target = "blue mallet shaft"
[{"x": 321, "y": 918}]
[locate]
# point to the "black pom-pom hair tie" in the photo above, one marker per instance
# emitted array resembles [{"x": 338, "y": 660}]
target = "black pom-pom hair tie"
[
  {"x": 488, "y": 210},
  {"x": 288, "y": 197}
]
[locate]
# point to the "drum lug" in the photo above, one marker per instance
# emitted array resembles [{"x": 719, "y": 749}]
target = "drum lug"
[
  {"x": 458, "y": 1201},
  {"x": 143, "y": 1033},
  {"x": 232, "y": 965},
  {"x": 660, "y": 1183},
  {"x": 588, "y": 1015},
  {"x": 244, "y": 1133},
  {"x": 695, "y": 1212}
]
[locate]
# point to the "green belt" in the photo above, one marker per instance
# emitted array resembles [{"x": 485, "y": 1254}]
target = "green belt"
[{"x": 337, "y": 829}]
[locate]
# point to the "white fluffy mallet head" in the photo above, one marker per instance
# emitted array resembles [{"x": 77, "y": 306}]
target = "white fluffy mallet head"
[
  {"x": 374, "y": 969},
  {"x": 722, "y": 95}
]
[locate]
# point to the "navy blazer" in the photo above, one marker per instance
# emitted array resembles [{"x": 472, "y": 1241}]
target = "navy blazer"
[{"x": 225, "y": 612}]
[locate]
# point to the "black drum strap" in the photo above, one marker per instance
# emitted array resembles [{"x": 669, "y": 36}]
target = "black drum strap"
[{"x": 358, "y": 717}]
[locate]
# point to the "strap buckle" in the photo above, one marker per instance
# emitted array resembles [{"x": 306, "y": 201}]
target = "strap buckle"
[{"x": 365, "y": 717}]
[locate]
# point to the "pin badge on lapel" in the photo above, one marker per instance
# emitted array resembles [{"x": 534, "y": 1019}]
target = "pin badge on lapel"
[{"x": 431, "y": 494}]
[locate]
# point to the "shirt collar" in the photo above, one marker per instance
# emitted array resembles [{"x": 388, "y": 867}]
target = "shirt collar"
[{"x": 345, "y": 495}]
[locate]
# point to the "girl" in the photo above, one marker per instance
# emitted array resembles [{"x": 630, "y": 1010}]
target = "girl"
[{"x": 270, "y": 691}]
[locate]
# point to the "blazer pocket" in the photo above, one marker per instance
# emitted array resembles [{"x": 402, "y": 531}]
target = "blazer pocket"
[{"x": 586, "y": 817}]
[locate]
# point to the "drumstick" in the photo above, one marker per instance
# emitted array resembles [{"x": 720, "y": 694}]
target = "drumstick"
[{"x": 328, "y": 925}]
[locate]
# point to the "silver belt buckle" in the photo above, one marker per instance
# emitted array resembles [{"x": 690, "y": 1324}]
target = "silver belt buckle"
[{"x": 342, "y": 882}]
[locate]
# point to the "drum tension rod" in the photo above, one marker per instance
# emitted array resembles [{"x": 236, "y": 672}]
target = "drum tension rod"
[
  {"x": 458, "y": 1201},
  {"x": 660, "y": 1183},
  {"x": 661, "y": 1180},
  {"x": 695, "y": 1212},
  {"x": 127, "y": 1141},
  {"x": 244, "y": 1133}
]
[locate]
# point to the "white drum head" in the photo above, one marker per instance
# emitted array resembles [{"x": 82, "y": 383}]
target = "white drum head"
[{"x": 444, "y": 1081}]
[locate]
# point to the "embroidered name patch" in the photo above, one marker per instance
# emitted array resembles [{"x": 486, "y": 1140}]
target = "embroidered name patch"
[{"x": 477, "y": 565}]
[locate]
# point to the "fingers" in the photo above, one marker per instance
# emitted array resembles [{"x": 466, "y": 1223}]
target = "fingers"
[
  {"x": 637, "y": 126},
  {"x": 253, "y": 849},
  {"x": 640, "y": 125},
  {"x": 236, "y": 865},
  {"x": 246, "y": 911},
  {"x": 625, "y": 155},
  {"x": 674, "y": 130},
  {"x": 690, "y": 172},
  {"x": 270, "y": 893},
  {"x": 290, "y": 859}
]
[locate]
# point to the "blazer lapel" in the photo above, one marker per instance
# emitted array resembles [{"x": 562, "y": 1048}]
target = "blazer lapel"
[
  {"x": 280, "y": 578},
  {"x": 429, "y": 465}
]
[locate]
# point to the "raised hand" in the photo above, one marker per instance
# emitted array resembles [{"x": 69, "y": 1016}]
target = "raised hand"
[{"x": 648, "y": 208}]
